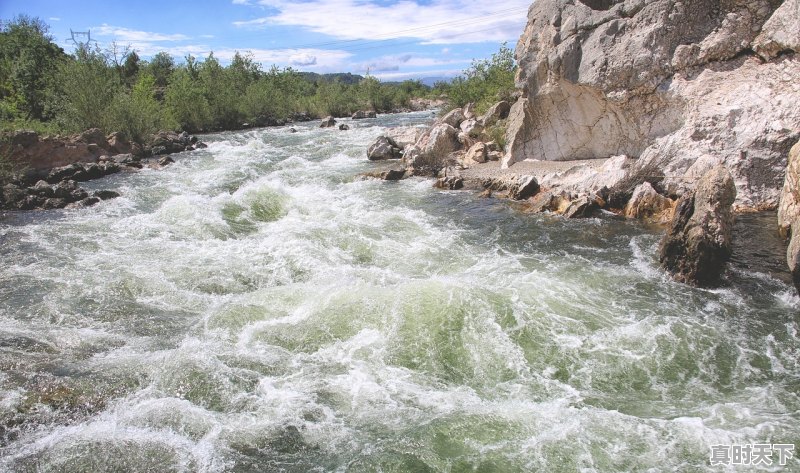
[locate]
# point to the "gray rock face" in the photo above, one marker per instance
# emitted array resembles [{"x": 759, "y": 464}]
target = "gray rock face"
[
  {"x": 698, "y": 243},
  {"x": 668, "y": 82},
  {"x": 454, "y": 118},
  {"x": 793, "y": 254},
  {"x": 789, "y": 208},
  {"x": 383, "y": 148}
]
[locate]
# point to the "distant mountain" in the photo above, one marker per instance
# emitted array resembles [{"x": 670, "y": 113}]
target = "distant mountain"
[
  {"x": 431, "y": 81},
  {"x": 343, "y": 77}
]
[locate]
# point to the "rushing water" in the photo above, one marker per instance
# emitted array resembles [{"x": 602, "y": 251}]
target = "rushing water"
[{"x": 253, "y": 307}]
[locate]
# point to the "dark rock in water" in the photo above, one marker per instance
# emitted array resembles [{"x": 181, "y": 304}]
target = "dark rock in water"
[
  {"x": 362, "y": 114},
  {"x": 54, "y": 203},
  {"x": 106, "y": 194},
  {"x": 384, "y": 148},
  {"x": 344, "y": 127},
  {"x": 451, "y": 182},
  {"x": 583, "y": 207},
  {"x": 328, "y": 122},
  {"x": 157, "y": 150},
  {"x": 292, "y": 130},
  {"x": 388, "y": 175},
  {"x": 697, "y": 246},
  {"x": 165, "y": 161},
  {"x": 200, "y": 145},
  {"x": 525, "y": 188},
  {"x": 88, "y": 202},
  {"x": 43, "y": 189}
]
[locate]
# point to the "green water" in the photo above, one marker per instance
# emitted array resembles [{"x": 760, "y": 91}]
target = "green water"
[{"x": 253, "y": 307}]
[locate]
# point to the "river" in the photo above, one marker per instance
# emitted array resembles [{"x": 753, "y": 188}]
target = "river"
[{"x": 253, "y": 307}]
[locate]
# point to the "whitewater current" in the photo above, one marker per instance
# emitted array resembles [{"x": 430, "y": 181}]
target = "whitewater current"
[{"x": 256, "y": 308}]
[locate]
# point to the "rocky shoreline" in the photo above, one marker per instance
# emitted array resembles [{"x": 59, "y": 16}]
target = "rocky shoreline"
[{"x": 53, "y": 166}]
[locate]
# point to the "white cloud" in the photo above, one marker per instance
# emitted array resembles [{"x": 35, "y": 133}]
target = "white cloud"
[
  {"x": 126, "y": 34},
  {"x": 437, "y": 22},
  {"x": 54, "y": 18},
  {"x": 399, "y": 76},
  {"x": 241, "y": 2}
]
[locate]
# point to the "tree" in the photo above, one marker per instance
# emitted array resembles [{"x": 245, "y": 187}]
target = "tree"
[
  {"x": 161, "y": 67},
  {"x": 186, "y": 103},
  {"x": 28, "y": 62},
  {"x": 86, "y": 87},
  {"x": 487, "y": 81}
]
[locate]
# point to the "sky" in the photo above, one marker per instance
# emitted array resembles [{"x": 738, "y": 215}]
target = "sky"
[{"x": 390, "y": 39}]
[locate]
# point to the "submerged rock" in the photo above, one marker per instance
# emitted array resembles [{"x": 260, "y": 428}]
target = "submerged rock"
[
  {"x": 328, "y": 122},
  {"x": 698, "y": 244}
]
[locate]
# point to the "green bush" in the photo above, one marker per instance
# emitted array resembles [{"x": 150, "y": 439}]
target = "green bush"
[{"x": 485, "y": 83}]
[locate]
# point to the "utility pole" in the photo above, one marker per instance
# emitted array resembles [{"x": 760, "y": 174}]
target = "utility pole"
[{"x": 76, "y": 35}]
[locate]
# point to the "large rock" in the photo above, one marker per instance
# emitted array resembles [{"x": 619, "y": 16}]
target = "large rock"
[
  {"x": 789, "y": 208},
  {"x": 497, "y": 112},
  {"x": 384, "y": 148},
  {"x": 405, "y": 136},
  {"x": 328, "y": 122},
  {"x": 362, "y": 114},
  {"x": 647, "y": 204},
  {"x": 668, "y": 82},
  {"x": 793, "y": 254},
  {"x": 454, "y": 118},
  {"x": 698, "y": 243},
  {"x": 476, "y": 154},
  {"x": 430, "y": 154}
]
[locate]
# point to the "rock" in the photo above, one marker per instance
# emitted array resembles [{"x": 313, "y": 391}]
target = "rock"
[
  {"x": 383, "y": 148},
  {"x": 200, "y": 145},
  {"x": 494, "y": 156},
  {"x": 53, "y": 203},
  {"x": 432, "y": 151},
  {"x": 168, "y": 142},
  {"x": 328, "y": 122},
  {"x": 497, "y": 112},
  {"x": 647, "y": 204},
  {"x": 362, "y": 114},
  {"x": 453, "y": 118},
  {"x": 87, "y": 202},
  {"x": 405, "y": 136},
  {"x": 344, "y": 127},
  {"x": 525, "y": 188},
  {"x": 667, "y": 82},
  {"x": 450, "y": 182},
  {"x": 387, "y": 175},
  {"x": 698, "y": 243},
  {"x": 443, "y": 140},
  {"x": 471, "y": 127},
  {"x": 292, "y": 130},
  {"x": 165, "y": 161},
  {"x": 476, "y": 154},
  {"x": 12, "y": 195},
  {"x": 781, "y": 33},
  {"x": 469, "y": 111},
  {"x": 93, "y": 136},
  {"x": 118, "y": 144},
  {"x": 583, "y": 207},
  {"x": 43, "y": 189},
  {"x": 793, "y": 254},
  {"x": 789, "y": 207},
  {"x": 106, "y": 194}
]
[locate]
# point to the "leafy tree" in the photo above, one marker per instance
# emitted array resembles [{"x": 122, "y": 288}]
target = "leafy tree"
[
  {"x": 28, "y": 62},
  {"x": 130, "y": 68},
  {"x": 161, "y": 67},
  {"x": 86, "y": 87},
  {"x": 485, "y": 82},
  {"x": 186, "y": 104},
  {"x": 136, "y": 113}
]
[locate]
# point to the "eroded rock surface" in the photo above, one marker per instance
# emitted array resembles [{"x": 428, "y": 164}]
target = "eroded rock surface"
[{"x": 667, "y": 82}]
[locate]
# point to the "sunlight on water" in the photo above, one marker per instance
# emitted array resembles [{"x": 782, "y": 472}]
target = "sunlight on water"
[{"x": 254, "y": 307}]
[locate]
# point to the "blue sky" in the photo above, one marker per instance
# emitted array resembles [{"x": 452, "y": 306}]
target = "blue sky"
[{"x": 394, "y": 40}]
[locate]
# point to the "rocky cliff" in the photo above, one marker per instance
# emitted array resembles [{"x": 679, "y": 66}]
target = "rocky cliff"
[{"x": 681, "y": 85}]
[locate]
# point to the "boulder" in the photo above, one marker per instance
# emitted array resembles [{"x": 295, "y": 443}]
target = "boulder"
[
  {"x": 583, "y": 207},
  {"x": 167, "y": 142},
  {"x": 328, "y": 122},
  {"x": 443, "y": 140},
  {"x": 450, "y": 182},
  {"x": 793, "y": 254},
  {"x": 497, "y": 112},
  {"x": 667, "y": 82},
  {"x": 405, "y": 136},
  {"x": 344, "y": 127},
  {"x": 92, "y": 136},
  {"x": 106, "y": 194},
  {"x": 118, "y": 144},
  {"x": 453, "y": 118},
  {"x": 524, "y": 188},
  {"x": 647, "y": 204},
  {"x": 789, "y": 207},
  {"x": 471, "y": 127},
  {"x": 476, "y": 154},
  {"x": 697, "y": 245},
  {"x": 384, "y": 148},
  {"x": 362, "y": 114},
  {"x": 469, "y": 111}
]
